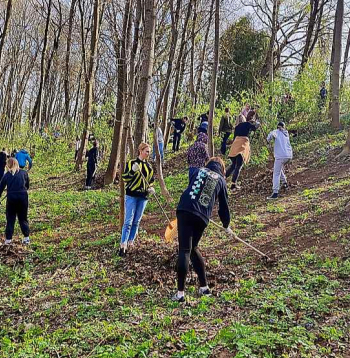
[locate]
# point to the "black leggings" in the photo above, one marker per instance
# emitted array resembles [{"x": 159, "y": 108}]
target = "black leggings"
[
  {"x": 235, "y": 167},
  {"x": 190, "y": 228},
  {"x": 17, "y": 207},
  {"x": 91, "y": 172}
]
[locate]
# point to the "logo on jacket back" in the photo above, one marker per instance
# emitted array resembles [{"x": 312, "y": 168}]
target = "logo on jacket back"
[{"x": 204, "y": 185}]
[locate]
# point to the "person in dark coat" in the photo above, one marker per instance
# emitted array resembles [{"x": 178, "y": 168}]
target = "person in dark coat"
[
  {"x": 17, "y": 182},
  {"x": 93, "y": 158},
  {"x": 193, "y": 213},
  {"x": 225, "y": 128},
  {"x": 179, "y": 125},
  {"x": 3, "y": 160}
]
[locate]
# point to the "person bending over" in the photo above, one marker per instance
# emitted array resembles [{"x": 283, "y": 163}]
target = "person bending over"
[
  {"x": 23, "y": 157},
  {"x": 197, "y": 154},
  {"x": 193, "y": 213}
]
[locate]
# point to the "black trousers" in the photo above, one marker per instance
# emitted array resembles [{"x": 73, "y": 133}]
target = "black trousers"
[
  {"x": 235, "y": 167},
  {"x": 91, "y": 171},
  {"x": 17, "y": 206},
  {"x": 225, "y": 137},
  {"x": 176, "y": 141},
  {"x": 190, "y": 229}
]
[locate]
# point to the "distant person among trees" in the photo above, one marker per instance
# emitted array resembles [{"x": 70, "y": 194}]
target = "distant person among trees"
[
  {"x": 3, "y": 160},
  {"x": 197, "y": 154},
  {"x": 252, "y": 115},
  {"x": 77, "y": 146},
  {"x": 240, "y": 149},
  {"x": 283, "y": 154},
  {"x": 193, "y": 213},
  {"x": 225, "y": 128},
  {"x": 204, "y": 117},
  {"x": 92, "y": 163},
  {"x": 137, "y": 192},
  {"x": 245, "y": 110},
  {"x": 17, "y": 182},
  {"x": 160, "y": 145},
  {"x": 203, "y": 127},
  {"x": 179, "y": 125},
  {"x": 323, "y": 95},
  {"x": 23, "y": 157}
]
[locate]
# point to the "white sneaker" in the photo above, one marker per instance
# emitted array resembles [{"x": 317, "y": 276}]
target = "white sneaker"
[
  {"x": 7, "y": 242},
  {"x": 26, "y": 241}
]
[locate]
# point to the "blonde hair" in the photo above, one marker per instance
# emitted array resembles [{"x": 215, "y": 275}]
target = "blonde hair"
[
  {"x": 12, "y": 165},
  {"x": 240, "y": 119},
  {"x": 220, "y": 161},
  {"x": 143, "y": 146}
]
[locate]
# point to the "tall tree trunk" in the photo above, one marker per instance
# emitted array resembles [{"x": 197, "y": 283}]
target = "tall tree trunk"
[
  {"x": 346, "y": 59},
  {"x": 338, "y": 27},
  {"x": 124, "y": 45},
  {"x": 147, "y": 61},
  {"x": 89, "y": 82},
  {"x": 6, "y": 24},
  {"x": 131, "y": 88},
  {"x": 37, "y": 110},
  {"x": 67, "y": 60},
  {"x": 214, "y": 79}
]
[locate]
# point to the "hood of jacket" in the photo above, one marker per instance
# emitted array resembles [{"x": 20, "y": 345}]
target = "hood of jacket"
[
  {"x": 202, "y": 138},
  {"x": 215, "y": 167}
]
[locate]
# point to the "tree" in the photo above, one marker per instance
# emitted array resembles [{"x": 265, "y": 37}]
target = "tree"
[
  {"x": 337, "y": 45},
  {"x": 242, "y": 55},
  {"x": 4, "y": 30},
  {"x": 214, "y": 79}
]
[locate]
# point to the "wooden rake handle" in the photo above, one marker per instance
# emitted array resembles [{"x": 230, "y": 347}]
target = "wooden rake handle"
[{"x": 240, "y": 240}]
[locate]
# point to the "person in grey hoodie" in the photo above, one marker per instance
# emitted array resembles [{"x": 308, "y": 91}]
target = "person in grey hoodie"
[{"x": 283, "y": 154}]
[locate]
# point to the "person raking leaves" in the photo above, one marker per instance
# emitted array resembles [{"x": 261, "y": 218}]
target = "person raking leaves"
[
  {"x": 137, "y": 191},
  {"x": 17, "y": 182},
  {"x": 193, "y": 213}
]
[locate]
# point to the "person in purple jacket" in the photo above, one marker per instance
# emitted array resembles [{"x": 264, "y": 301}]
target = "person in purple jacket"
[{"x": 197, "y": 154}]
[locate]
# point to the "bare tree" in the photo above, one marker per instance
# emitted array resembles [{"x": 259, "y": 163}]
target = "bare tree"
[{"x": 4, "y": 30}]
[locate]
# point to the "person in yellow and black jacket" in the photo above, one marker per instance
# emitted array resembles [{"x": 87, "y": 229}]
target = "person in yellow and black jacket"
[{"x": 137, "y": 191}]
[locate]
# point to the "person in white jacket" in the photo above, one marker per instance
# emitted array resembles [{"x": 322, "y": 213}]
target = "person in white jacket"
[{"x": 283, "y": 154}]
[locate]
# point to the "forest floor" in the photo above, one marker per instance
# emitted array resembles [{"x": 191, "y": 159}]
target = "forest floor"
[{"x": 70, "y": 295}]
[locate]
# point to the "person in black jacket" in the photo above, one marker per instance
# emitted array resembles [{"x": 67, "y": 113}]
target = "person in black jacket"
[
  {"x": 93, "y": 157},
  {"x": 3, "y": 159},
  {"x": 193, "y": 212},
  {"x": 17, "y": 182},
  {"x": 179, "y": 125}
]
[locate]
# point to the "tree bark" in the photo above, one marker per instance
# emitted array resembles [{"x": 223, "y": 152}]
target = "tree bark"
[
  {"x": 89, "y": 76},
  {"x": 346, "y": 59},
  {"x": 121, "y": 86},
  {"x": 338, "y": 27},
  {"x": 147, "y": 61},
  {"x": 6, "y": 24},
  {"x": 214, "y": 79}
]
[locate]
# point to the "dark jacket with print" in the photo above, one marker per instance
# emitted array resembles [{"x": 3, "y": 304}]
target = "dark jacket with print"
[
  {"x": 197, "y": 154},
  {"x": 206, "y": 186}
]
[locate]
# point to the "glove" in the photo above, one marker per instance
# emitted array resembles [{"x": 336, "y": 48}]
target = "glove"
[
  {"x": 151, "y": 190},
  {"x": 135, "y": 167},
  {"x": 229, "y": 230}
]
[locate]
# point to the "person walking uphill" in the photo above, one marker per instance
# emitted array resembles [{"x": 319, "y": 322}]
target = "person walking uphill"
[
  {"x": 197, "y": 154},
  {"x": 17, "y": 182},
  {"x": 3, "y": 160},
  {"x": 283, "y": 154},
  {"x": 137, "y": 191},
  {"x": 93, "y": 158},
  {"x": 240, "y": 149},
  {"x": 179, "y": 125},
  {"x": 193, "y": 213},
  {"x": 23, "y": 157},
  {"x": 225, "y": 127}
]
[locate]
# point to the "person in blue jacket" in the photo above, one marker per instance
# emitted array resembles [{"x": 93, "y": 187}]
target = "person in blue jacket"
[
  {"x": 17, "y": 182},
  {"x": 23, "y": 157},
  {"x": 193, "y": 213}
]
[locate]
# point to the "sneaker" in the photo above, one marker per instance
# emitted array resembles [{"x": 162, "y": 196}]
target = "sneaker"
[
  {"x": 26, "y": 241},
  {"x": 87, "y": 187},
  {"x": 7, "y": 242},
  {"x": 285, "y": 186},
  {"x": 273, "y": 196},
  {"x": 235, "y": 186},
  {"x": 176, "y": 298},
  {"x": 204, "y": 292},
  {"x": 122, "y": 252}
]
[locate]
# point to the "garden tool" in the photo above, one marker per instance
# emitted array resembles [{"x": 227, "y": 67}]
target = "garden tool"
[
  {"x": 171, "y": 229},
  {"x": 267, "y": 258}
]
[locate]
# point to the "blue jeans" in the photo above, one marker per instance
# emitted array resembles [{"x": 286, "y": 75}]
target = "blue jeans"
[
  {"x": 134, "y": 208},
  {"x": 161, "y": 151}
]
